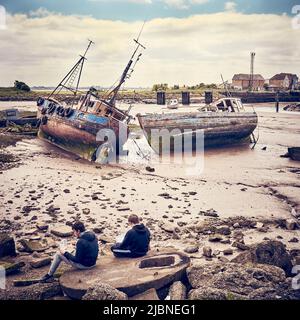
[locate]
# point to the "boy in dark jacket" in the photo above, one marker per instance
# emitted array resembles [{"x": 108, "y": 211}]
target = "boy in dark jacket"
[
  {"x": 86, "y": 255},
  {"x": 136, "y": 241}
]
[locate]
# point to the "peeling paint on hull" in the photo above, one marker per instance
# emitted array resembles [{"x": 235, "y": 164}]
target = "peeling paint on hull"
[
  {"x": 76, "y": 135},
  {"x": 219, "y": 128}
]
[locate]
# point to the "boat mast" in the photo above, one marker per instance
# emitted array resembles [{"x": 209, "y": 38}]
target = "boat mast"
[
  {"x": 125, "y": 75},
  {"x": 68, "y": 80}
]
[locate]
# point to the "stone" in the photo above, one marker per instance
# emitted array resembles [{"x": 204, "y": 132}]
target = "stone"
[
  {"x": 228, "y": 252},
  {"x": 234, "y": 281},
  {"x": 42, "y": 227},
  {"x": 86, "y": 211},
  {"x": 62, "y": 231},
  {"x": 224, "y": 230},
  {"x": 178, "y": 291},
  {"x": 131, "y": 276},
  {"x": 191, "y": 249},
  {"x": 207, "y": 252},
  {"x": 241, "y": 246},
  {"x": 268, "y": 252},
  {"x": 150, "y": 169},
  {"x": 211, "y": 213},
  {"x": 32, "y": 246},
  {"x": 236, "y": 225},
  {"x": 294, "y": 240},
  {"x": 167, "y": 227},
  {"x": 37, "y": 291},
  {"x": 103, "y": 291},
  {"x": 12, "y": 268},
  {"x": 7, "y": 246},
  {"x": 149, "y": 295},
  {"x": 106, "y": 239},
  {"x": 291, "y": 224},
  {"x": 215, "y": 238},
  {"x": 39, "y": 263}
]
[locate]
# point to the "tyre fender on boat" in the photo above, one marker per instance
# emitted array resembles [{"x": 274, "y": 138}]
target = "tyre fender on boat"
[
  {"x": 58, "y": 110},
  {"x": 51, "y": 108},
  {"x": 44, "y": 111},
  {"x": 44, "y": 120},
  {"x": 61, "y": 112},
  {"x": 69, "y": 112},
  {"x": 40, "y": 101}
]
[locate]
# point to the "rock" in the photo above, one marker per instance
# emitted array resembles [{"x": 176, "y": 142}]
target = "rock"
[
  {"x": 241, "y": 246},
  {"x": 213, "y": 294},
  {"x": 224, "y": 230},
  {"x": 211, "y": 213},
  {"x": 236, "y": 225},
  {"x": 39, "y": 263},
  {"x": 31, "y": 246},
  {"x": 149, "y": 295},
  {"x": 106, "y": 239},
  {"x": 150, "y": 169},
  {"x": 228, "y": 252},
  {"x": 167, "y": 227},
  {"x": 7, "y": 246},
  {"x": 62, "y": 231},
  {"x": 215, "y": 238},
  {"x": 294, "y": 240},
  {"x": 178, "y": 291},
  {"x": 291, "y": 224},
  {"x": 207, "y": 252},
  {"x": 12, "y": 268},
  {"x": 42, "y": 227},
  {"x": 268, "y": 252},
  {"x": 38, "y": 291},
  {"x": 86, "y": 211},
  {"x": 103, "y": 291},
  {"x": 191, "y": 249},
  {"x": 233, "y": 281}
]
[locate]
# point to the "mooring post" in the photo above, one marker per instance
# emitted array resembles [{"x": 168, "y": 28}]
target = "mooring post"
[
  {"x": 208, "y": 97},
  {"x": 161, "y": 98},
  {"x": 277, "y": 101},
  {"x": 186, "y": 98}
]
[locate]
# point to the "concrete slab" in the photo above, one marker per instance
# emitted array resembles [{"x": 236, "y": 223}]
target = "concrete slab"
[{"x": 131, "y": 276}]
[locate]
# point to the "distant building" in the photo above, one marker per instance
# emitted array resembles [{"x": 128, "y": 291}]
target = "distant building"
[
  {"x": 242, "y": 81},
  {"x": 283, "y": 81}
]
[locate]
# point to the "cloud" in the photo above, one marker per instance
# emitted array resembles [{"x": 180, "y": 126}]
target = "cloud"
[
  {"x": 39, "y": 49},
  {"x": 183, "y": 4},
  {"x": 128, "y": 1},
  {"x": 230, "y": 6}
]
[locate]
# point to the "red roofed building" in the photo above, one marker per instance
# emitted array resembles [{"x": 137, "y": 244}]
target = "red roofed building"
[
  {"x": 242, "y": 81},
  {"x": 285, "y": 81}
]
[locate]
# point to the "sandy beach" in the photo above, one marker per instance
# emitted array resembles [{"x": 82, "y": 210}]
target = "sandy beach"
[{"x": 252, "y": 191}]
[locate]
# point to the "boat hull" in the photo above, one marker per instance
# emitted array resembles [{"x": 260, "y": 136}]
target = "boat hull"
[
  {"x": 78, "y": 134},
  {"x": 219, "y": 128}
]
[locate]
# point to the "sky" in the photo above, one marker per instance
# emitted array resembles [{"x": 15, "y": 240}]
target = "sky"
[{"x": 187, "y": 41}]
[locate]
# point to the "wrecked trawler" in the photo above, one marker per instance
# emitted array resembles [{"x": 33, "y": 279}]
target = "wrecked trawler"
[
  {"x": 224, "y": 122},
  {"x": 81, "y": 125}
]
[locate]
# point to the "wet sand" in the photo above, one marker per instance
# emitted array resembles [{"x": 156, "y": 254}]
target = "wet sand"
[{"x": 258, "y": 185}]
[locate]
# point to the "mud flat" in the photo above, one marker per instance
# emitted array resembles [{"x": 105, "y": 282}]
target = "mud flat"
[{"x": 241, "y": 198}]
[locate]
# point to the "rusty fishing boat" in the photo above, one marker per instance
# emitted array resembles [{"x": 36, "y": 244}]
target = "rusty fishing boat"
[
  {"x": 74, "y": 124},
  {"x": 223, "y": 122}
]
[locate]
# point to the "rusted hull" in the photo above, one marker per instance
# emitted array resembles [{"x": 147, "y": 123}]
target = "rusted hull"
[
  {"x": 220, "y": 128},
  {"x": 77, "y": 134}
]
